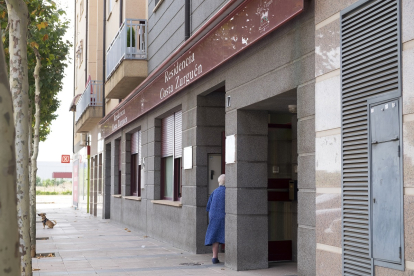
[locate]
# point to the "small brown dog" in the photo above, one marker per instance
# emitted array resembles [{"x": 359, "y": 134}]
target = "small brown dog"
[{"x": 47, "y": 222}]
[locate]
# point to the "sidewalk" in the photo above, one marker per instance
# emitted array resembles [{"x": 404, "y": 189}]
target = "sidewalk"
[{"x": 86, "y": 245}]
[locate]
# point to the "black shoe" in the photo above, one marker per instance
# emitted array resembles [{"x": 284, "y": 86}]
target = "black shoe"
[{"x": 215, "y": 260}]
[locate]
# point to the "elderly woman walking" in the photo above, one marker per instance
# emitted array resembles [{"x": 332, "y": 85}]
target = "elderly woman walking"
[{"x": 215, "y": 207}]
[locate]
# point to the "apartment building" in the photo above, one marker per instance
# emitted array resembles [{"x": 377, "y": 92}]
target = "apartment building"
[
  {"x": 110, "y": 59},
  {"x": 305, "y": 105}
]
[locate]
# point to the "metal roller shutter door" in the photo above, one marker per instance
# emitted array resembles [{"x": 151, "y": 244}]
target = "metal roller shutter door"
[{"x": 370, "y": 55}]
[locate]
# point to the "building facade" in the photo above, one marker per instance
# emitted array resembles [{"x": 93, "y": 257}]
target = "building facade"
[
  {"x": 105, "y": 69},
  {"x": 305, "y": 105}
]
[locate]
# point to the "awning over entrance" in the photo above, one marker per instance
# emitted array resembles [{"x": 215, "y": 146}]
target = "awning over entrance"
[{"x": 74, "y": 102}]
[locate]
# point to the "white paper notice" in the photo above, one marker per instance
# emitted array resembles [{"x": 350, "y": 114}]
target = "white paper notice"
[
  {"x": 188, "y": 158},
  {"x": 230, "y": 149}
]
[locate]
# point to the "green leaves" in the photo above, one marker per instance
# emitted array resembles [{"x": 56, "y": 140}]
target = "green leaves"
[{"x": 48, "y": 25}]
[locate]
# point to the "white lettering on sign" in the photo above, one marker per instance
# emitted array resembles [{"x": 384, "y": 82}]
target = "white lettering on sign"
[
  {"x": 118, "y": 114},
  {"x": 165, "y": 92},
  {"x": 178, "y": 67},
  {"x": 119, "y": 123},
  {"x": 187, "y": 78}
]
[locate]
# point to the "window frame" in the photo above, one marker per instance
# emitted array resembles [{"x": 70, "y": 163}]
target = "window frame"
[
  {"x": 176, "y": 169},
  {"x": 135, "y": 175}
]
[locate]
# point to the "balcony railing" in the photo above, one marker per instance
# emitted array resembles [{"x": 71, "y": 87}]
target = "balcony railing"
[
  {"x": 92, "y": 96},
  {"x": 129, "y": 43}
]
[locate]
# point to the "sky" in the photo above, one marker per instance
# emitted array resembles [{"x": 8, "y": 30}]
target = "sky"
[{"x": 59, "y": 140}]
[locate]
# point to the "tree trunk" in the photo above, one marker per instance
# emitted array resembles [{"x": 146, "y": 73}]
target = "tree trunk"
[
  {"x": 33, "y": 172},
  {"x": 9, "y": 233},
  {"x": 32, "y": 203},
  {"x": 19, "y": 85}
]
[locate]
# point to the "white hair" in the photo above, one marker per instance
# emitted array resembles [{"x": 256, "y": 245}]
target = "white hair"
[{"x": 222, "y": 180}]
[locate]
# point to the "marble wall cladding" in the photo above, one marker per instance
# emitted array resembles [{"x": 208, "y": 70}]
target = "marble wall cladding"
[
  {"x": 408, "y": 80},
  {"x": 327, "y": 8},
  {"x": 328, "y": 104},
  {"x": 327, "y": 48},
  {"x": 328, "y": 161},
  {"x": 407, "y": 20},
  {"x": 328, "y": 263},
  {"x": 328, "y": 219},
  {"x": 409, "y": 227},
  {"x": 408, "y": 151}
]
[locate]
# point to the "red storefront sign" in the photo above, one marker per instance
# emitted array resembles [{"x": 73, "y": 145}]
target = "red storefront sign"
[
  {"x": 250, "y": 22},
  {"x": 65, "y": 159},
  {"x": 61, "y": 175}
]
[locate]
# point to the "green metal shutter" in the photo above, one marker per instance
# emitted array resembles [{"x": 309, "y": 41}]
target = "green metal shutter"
[{"x": 370, "y": 66}]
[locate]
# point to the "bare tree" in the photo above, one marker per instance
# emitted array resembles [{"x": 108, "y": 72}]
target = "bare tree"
[
  {"x": 18, "y": 25},
  {"x": 9, "y": 233}
]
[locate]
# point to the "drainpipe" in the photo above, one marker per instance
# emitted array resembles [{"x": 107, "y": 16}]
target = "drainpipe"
[
  {"x": 74, "y": 84},
  {"x": 104, "y": 59},
  {"x": 121, "y": 12},
  {"x": 187, "y": 31},
  {"x": 86, "y": 43}
]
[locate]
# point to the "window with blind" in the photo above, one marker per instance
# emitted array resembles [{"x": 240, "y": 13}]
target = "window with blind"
[
  {"x": 136, "y": 164},
  {"x": 171, "y": 153}
]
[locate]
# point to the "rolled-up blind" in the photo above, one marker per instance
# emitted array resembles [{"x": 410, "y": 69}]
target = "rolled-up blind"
[
  {"x": 178, "y": 134},
  {"x": 167, "y": 132},
  {"x": 139, "y": 147},
  {"x": 135, "y": 143}
]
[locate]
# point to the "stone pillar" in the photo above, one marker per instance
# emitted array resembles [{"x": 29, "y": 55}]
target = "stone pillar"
[
  {"x": 203, "y": 124},
  {"x": 153, "y": 160},
  {"x": 115, "y": 168},
  {"x": 106, "y": 212},
  {"x": 246, "y": 191},
  {"x": 306, "y": 180}
]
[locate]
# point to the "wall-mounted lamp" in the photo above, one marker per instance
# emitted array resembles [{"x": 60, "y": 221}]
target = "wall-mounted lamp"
[{"x": 293, "y": 108}]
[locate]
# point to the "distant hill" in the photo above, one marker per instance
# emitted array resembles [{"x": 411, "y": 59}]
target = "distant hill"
[{"x": 45, "y": 168}]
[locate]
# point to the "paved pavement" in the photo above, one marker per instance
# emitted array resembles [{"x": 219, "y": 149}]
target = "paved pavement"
[{"x": 86, "y": 245}]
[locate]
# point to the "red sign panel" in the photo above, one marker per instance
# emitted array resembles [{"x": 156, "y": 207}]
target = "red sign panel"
[
  {"x": 61, "y": 175},
  {"x": 251, "y": 21},
  {"x": 65, "y": 159}
]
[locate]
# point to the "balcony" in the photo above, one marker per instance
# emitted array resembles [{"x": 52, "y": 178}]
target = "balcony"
[
  {"x": 89, "y": 107},
  {"x": 126, "y": 59}
]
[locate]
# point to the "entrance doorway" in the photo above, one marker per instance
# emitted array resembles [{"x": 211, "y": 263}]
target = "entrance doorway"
[
  {"x": 282, "y": 175},
  {"x": 282, "y": 186}
]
